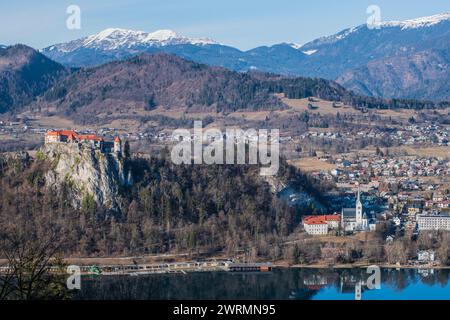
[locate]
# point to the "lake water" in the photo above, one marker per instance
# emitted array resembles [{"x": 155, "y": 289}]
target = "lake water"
[{"x": 280, "y": 284}]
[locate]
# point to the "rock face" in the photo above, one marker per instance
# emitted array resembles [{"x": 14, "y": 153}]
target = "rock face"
[
  {"x": 89, "y": 174},
  {"x": 275, "y": 184}
]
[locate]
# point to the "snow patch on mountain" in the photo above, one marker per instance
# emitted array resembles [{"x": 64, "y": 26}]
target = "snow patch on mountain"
[
  {"x": 333, "y": 38},
  {"x": 419, "y": 22},
  {"x": 309, "y": 52},
  {"x": 404, "y": 25},
  {"x": 295, "y": 45}
]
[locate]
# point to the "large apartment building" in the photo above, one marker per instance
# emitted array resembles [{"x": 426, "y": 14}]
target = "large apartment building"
[{"x": 433, "y": 221}]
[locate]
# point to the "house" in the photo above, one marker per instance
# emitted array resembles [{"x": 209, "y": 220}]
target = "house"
[
  {"x": 443, "y": 204},
  {"x": 413, "y": 210},
  {"x": 336, "y": 172},
  {"x": 429, "y": 203},
  {"x": 426, "y": 256},
  {"x": 372, "y": 225},
  {"x": 346, "y": 164}
]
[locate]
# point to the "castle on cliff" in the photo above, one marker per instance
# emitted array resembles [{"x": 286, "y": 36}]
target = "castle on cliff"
[{"x": 96, "y": 142}]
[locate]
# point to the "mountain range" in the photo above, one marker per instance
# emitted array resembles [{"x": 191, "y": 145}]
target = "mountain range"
[{"x": 398, "y": 59}]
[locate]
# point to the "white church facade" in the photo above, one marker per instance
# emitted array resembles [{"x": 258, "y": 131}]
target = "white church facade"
[{"x": 354, "y": 219}]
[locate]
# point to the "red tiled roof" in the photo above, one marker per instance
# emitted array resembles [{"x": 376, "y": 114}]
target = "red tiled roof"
[
  {"x": 53, "y": 133},
  {"x": 315, "y": 220},
  {"x": 89, "y": 137},
  {"x": 71, "y": 135},
  {"x": 68, "y": 133},
  {"x": 333, "y": 217},
  {"x": 321, "y": 219}
]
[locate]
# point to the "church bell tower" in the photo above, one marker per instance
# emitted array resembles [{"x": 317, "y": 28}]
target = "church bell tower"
[{"x": 359, "y": 209}]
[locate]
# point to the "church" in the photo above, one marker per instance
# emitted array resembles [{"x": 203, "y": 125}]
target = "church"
[{"x": 354, "y": 219}]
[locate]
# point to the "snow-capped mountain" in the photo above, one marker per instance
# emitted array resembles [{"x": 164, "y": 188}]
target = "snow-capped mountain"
[
  {"x": 116, "y": 39},
  {"x": 116, "y": 44},
  {"x": 330, "y": 57},
  {"x": 417, "y": 52},
  {"x": 406, "y": 25}
]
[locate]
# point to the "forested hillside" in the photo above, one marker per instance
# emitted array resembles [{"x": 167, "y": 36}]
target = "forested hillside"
[
  {"x": 168, "y": 208},
  {"x": 149, "y": 81}
]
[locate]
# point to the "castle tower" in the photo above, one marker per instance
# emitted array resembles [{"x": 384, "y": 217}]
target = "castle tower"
[
  {"x": 359, "y": 209},
  {"x": 117, "y": 145}
]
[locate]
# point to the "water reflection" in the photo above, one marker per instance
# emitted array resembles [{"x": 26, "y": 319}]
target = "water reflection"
[{"x": 280, "y": 284}]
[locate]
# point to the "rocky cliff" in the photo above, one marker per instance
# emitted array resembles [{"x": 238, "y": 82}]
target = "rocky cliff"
[{"x": 90, "y": 175}]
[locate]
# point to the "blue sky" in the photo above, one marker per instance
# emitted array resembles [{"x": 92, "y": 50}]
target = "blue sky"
[{"x": 241, "y": 23}]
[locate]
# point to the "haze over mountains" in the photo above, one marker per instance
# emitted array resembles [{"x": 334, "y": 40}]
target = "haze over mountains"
[{"x": 406, "y": 59}]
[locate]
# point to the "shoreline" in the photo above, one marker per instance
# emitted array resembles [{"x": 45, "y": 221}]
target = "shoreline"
[
  {"x": 361, "y": 266},
  {"x": 103, "y": 262}
]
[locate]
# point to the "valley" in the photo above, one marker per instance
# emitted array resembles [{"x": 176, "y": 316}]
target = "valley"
[{"x": 362, "y": 122}]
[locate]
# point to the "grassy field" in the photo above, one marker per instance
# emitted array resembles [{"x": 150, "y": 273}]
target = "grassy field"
[
  {"x": 442, "y": 152},
  {"x": 312, "y": 164},
  {"x": 324, "y": 107},
  {"x": 55, "y": 122}
]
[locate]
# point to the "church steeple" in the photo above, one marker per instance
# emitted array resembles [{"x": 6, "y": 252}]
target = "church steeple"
[{"x": 359, "y": 209}]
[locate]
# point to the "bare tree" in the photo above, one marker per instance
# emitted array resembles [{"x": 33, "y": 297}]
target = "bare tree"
[{"x": 34, "y": 268}]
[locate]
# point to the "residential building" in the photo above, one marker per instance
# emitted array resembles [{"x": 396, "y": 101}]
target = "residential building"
[
  {"x": 320, "y": 225},
  {"x": 433, "y": 222},
  {"x": 426, "y": 256}
]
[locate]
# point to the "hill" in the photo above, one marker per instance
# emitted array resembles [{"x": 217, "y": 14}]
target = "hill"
[
  {"x": 25, "y": 74},
  {"x": 145, "y": 82},
  {"x": 167, "y": 208},
  {"x": 135, "y": 87}
]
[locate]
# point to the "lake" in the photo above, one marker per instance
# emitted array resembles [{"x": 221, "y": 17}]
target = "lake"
[{"x": 280, "y": 284}]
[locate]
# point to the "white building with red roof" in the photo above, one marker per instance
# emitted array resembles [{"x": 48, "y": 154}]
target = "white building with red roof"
[{"x": 320, "y": 225}]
